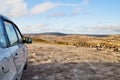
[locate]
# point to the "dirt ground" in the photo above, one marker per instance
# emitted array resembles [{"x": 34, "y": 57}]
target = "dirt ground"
[{"x": 62, "y": 62}]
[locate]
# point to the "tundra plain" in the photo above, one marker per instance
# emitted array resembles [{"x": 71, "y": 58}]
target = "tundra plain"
[{"x": 73, "y": 57}]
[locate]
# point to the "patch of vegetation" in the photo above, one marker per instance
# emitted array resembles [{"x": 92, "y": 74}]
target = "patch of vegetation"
[
  {"x": 40, "y": 40},
  {"x": 62, "y": 43}
]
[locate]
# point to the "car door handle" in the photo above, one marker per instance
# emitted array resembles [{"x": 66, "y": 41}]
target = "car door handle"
[{"x": 16, "y": 56}]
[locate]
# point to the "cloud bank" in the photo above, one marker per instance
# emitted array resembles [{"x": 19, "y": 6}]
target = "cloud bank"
[
  {"x": 18, "y": 8},
  {"x": 98, "y": 29}
]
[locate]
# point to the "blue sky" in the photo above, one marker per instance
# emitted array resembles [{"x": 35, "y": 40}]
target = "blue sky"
[{"x": 67, "y": 16}]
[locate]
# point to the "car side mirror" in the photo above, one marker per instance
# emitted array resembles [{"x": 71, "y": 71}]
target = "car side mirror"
[{"x": 27, "y": 40}]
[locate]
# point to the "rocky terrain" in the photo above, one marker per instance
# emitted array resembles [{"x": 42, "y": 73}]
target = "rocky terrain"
[{"x": 66, "y": 62}]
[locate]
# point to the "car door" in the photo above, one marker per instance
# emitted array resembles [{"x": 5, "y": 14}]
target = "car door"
[
  {"x": 7, "y": 67},
  {"x": 22, "y": 47},
  {"x": 16, "y": 47}
]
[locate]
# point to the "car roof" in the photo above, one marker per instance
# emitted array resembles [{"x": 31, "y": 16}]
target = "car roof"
[{"x": 3, "y": 17}]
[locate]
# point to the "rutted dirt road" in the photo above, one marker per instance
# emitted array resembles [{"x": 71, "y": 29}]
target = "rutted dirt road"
[{"x": 60, "y": 62}]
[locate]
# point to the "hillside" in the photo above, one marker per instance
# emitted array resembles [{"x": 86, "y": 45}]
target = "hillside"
[
  {"x": 105, "y": 41},
  {"x": 53, "y": 57}
]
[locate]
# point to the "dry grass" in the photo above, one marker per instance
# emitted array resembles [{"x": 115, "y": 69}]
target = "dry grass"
[
  {"x": 66, "y": 62},
  {"x": 111, "y": 42}
]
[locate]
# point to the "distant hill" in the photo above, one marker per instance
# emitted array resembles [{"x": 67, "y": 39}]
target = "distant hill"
[
  {"x": 55, "y": 33},
  {"x": 94, "y": 35},
  {"x": 63, "y": 34}
]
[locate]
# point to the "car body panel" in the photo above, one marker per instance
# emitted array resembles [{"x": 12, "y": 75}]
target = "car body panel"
[
  {"x": 12, "y": 57},
  {"x": 6, "y": 61},
  {"x": 19, "y": 56}
]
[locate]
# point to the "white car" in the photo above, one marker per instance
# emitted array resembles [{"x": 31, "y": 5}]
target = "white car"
[{"x": 13, "y": 52}]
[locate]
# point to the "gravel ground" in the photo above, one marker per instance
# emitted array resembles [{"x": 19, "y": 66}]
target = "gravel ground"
[{"x": 60, "y": 62}]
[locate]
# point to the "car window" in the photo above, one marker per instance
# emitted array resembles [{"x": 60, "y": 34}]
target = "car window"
[
  {"x": 11, "y": 34},
  {"x": 3, "y": 42},
  {"x": 19, "y": 36}
]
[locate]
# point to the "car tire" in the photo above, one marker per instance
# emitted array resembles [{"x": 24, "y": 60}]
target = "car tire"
[{"x": 25, "y": 67}]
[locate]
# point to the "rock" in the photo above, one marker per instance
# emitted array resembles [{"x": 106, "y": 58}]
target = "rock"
[
  {"x": 36, "y": 77},
  {"x": 77, "y": 71}
]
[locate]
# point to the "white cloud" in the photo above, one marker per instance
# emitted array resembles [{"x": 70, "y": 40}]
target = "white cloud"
[
  {"x": 99, "y": 29},
  {"x": 18, "y": 8},
  {"x": 58, "y": 14},
  {"x": 84, "y": 3},
  {"x": 79, "y": 8},
  {"x": 76, "y": 11},
  {"x": 90, "y": 29},
  {"x": 40, "y": 8},
  {"x": 72, "y": 5},
  {"x": 13, "y": 8},
  {"x": 108, "y": 28},
  {"x": 39, "y": 28}
]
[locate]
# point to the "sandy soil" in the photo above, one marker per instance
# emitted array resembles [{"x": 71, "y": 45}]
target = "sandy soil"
[{"x": 60, "y": 62}]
